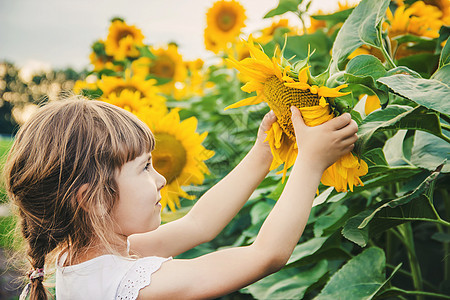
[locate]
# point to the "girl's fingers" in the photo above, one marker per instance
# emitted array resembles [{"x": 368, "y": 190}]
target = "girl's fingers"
[
  {"x": 340, "y": 122},
  {"x": 297, "y": 119},
  {"x": 350, "y": 130},
  {"x": 268, "y": 120}
]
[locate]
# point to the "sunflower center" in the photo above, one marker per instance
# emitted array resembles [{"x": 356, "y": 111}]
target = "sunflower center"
[
  {"x": 169, "y": 156},
  {"x": 163, "y": 67},
  {"x": 226, "y": 19},
  {"x": 280, "y": 99},
  {"x": 123, "y": 34}
]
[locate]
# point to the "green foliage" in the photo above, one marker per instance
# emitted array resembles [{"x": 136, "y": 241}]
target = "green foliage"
[
  {"x": 365, "y": 18},
  {"x": 283, "y": 7}
]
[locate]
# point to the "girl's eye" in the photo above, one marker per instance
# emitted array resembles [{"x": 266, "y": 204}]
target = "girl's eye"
[{"x": 147, "y": 166}]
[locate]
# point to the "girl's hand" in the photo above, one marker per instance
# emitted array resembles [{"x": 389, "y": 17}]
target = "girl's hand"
[
  {"x": 324, "y": 144},
  {"x": 263, "y": 147}
]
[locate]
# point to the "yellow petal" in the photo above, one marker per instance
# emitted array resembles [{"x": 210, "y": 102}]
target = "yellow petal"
[
  {"x": 247, "y": 101},
  {"x": 334, "y": 92}
]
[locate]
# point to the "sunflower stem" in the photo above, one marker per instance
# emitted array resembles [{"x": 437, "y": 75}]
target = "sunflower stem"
[
  {"x": 406, "y": 232},
  {"x": 383, "y": 48}
]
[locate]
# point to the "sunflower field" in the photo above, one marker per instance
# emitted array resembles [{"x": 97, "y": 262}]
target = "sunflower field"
[{"x": 380, "y": 224}]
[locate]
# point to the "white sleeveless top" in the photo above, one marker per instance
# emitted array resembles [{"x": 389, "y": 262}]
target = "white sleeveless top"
[{"x": 105, "y": 277}]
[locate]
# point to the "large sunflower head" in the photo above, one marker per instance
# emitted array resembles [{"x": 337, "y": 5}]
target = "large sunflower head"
[
  {"x": 225, "y": 19},
  {"x": 281, "y": 86},
  {"x": 122, "y": 39},
  {"x": 178, "y": 155}
]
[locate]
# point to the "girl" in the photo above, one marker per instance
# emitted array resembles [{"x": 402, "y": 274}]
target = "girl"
[{"x": 81, "y": 176}]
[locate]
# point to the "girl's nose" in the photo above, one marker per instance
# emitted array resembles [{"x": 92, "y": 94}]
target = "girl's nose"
[{"x": 161, "y": 181}]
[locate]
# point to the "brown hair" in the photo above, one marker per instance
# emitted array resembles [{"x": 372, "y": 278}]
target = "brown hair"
[{"x": 64, "y": 145}]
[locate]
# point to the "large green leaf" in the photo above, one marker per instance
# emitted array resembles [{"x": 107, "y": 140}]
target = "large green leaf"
[
  {"x": 431, "y": 93},
  {"x": 287, "y": 283},
  {"x": 337, "y": 17},
  {"x": 365, "y": 70},
  {"x": 359, "y": 28},
  {"x": 429, "y": 152},
  {"x": 399, "y": 117},
  {"x": 360, "y": 278},
  {"x": 418, "y": 192},
  {"x": 283, "y": 7}
]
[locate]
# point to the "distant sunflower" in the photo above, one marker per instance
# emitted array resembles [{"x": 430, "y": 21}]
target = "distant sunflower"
[
  {"x": 281, "y": 88},
  {"x": 168, "y": 65},
  {"x": 178, "y": 155},
  {"x": 122, "y": 40},
  {"x": 225, "y": 19},
  {"x": 418, "y": 19},
  {"x": 115, "y": 85},
  {"x": 268, "y": 33},
  {"x": 212, "y": 43},
  {"x": 134, "y": 102}
]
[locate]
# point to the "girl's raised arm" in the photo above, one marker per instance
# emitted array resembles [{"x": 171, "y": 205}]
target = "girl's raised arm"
[
  {"x": 224, "y": 271},
  {"x": 215, "y": 209}
]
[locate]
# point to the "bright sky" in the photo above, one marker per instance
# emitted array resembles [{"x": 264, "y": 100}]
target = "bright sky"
[{"x": 60, "y": 32}]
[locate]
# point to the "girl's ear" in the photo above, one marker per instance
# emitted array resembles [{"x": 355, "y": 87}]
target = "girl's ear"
[
  {"x": 81, "y": 196},
  {"x": 81, "y": 199}
]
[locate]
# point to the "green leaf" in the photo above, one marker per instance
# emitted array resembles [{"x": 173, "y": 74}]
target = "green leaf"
[
  {"x": 360, "y": 28},
  {"x": 283, "y": 7},
  {"x": 423, "y": 63},
  {"x": 416, "y": 43},
  {"x": 360, "y": 278},
  {"x": 335, "y": 18},
  {"x": 429, "y": 152},
  {"x": 145, "y": 52},
  {"x": 366, "y": 65},
  {"x": 445, "y": 55},
  {"x": 403, "y": 70},
  {"x": 430, "y": 93},
  {"x": 353, "y": 233},
  {"x": 443, "y": 74},
  {"x": 419, "y": 191},
  {"x": 441, "y": 237},
  {"x": 327, "y": 220},
  {"x": 306, "y": 249},
  {"x": 287, "y": 283},
  {"x": 399, "y": 117},
  {"x": 298, "y": 45},
  {"x": 365, "y": 70}
]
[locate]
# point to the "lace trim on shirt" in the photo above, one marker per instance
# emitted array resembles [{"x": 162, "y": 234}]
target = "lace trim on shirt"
[{"x": 138, "y": 277}]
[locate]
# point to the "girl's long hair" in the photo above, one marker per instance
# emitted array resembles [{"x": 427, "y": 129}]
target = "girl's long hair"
[{"x": 64, "y": 145}]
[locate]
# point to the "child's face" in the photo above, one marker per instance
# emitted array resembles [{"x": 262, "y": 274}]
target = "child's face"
[{"x": 138, "y": 209}]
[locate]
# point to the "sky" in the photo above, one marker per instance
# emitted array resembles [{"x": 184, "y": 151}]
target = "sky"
[{"x": 59, "y": 33}]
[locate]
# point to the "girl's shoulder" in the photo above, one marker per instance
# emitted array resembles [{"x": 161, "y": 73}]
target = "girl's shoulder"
[
  {"x": 138, "y": 276},
  {"x": 107, "y": 275}
]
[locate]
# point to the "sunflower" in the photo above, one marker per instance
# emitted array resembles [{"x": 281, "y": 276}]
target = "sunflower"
[
  {"x": 134, "y": 102},
  {"x": 213, "y": 44},
  {"x": 122, "y": 40},
  {"x": 282, "y": 87},
  {"x": 225, "y": 19},
  {"x": 418, "y": 19},
  {"x": 115, "y": 85},
  {"x": 178, "y": 155},
  {"x": 167, "y": 66},
  {"x": 269, "y": 32}
]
